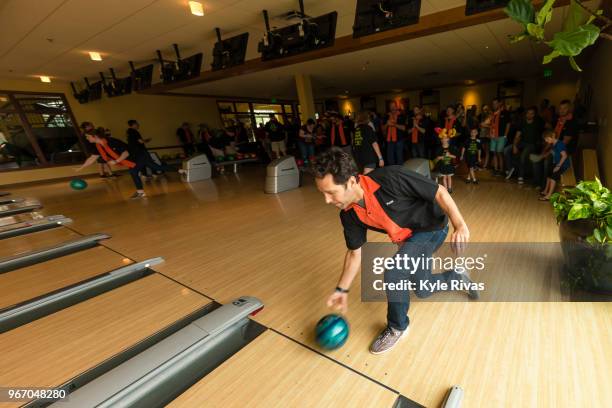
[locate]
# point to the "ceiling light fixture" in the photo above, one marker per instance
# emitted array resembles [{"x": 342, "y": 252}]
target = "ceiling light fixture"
[
  {"x": 196, "y": 8},
  {"x": 44, "y": 78},
  {"x": 95, "y": 56}
]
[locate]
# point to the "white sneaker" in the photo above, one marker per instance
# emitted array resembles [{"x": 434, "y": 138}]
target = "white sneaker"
[
  {"x": 509, "y": 173},
  {"x": 520, "y": 180},
  {"x": 137, "y": 195}
]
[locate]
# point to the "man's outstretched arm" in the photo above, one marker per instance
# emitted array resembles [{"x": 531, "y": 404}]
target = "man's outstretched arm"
[
  {"x": 461, "y": 234},
  {"x": 352, "y": 263}
]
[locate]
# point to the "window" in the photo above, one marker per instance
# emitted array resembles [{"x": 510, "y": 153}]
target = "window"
[
  {"x": 253, "y": 114},
  {"x": 37, "y": 129}
]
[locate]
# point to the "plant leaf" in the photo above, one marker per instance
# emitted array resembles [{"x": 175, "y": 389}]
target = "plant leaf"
[
  {"x": 536, "y": 30},
  {"x": 548, "y": 58},
  {"x": 521, "y": 11},
  {"x": 576, "y": 16},
  {"x": 597, "y": 235},
  {"x": 578, "y": 211},
  {"x": 600, "y": 207},
  {"x": 545, "y": 13},
  {"x": 574, "y": 65},
  {"x": 571, "y": 43}
]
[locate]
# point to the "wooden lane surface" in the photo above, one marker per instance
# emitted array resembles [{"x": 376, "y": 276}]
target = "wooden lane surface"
[
  {"x": 36, "y": 240},
  {"x": 224, "y": 237},
  {"x": 36, "y": 280},
  {"x": 273, "y": 371},
  {"x": 52, "y": 350}
]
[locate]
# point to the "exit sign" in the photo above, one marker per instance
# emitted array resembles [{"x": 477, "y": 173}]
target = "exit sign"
[{"x": 547, "y": 73}]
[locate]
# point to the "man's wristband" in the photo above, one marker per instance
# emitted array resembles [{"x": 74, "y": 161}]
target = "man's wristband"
[{"x": 341, "y": 290}]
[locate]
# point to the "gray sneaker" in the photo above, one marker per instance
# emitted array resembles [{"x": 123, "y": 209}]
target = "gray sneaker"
[
  {"x": 386, "y": 340},
  {"x": 472, "y": 294}
]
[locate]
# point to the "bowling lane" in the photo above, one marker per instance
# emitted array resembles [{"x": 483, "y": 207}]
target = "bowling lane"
[
  {"x": 275, "y": 371},
  {"x": 39, "y": 279},
  {"x": 36, "y": 240},
  {"x": 50, "y": 351}
]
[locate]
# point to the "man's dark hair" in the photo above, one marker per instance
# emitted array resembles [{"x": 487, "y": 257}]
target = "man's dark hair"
[
  {"x": 336, "y": 162},
  {"x": 566, "y": 102},
  {"x": 85, "y": 125},
  {"x": 310, "y": 121},
  {"x": 132, "y": 122},
  {"x": 532, "y": 108}
]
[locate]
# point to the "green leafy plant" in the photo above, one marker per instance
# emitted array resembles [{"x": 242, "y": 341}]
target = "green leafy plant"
[
  {"x": 589, "y": 200},
  {"x": 578, "y": 32}
]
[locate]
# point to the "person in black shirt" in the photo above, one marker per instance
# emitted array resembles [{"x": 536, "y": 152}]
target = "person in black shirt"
[
  {"x": 566, "y": 128},
  {"x": 276, "y": 133},
  {"x": 365, "y": 146},
  {"x": 527, "y": 141},
  {"x": 113, "y": 152},
  {"x": 394, "y": 131},
  {"x": 306, "y": 140},
  {"x": 417, "y": 126},
  {"x": 412, "y": 209},
  {"x": 471, "y": 151},
  {"x": 137, "y": 146}
]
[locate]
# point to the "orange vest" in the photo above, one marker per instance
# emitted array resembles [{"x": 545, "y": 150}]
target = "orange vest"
[
  {"x": 105, "y": 151},
  {"x": 392, "y": 130},
  {"x": 340, "y": 126},
  {"x": 374, "y": 215}
]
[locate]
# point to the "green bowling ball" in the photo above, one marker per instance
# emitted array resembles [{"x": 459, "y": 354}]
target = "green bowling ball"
[
  {"x": 331, "y": 332},
  {"x": 78, "y": 184}
]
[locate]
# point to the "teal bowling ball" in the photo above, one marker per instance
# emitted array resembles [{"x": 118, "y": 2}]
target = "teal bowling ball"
[
  {"x": 78, "y": 184},
  {"x": 331, "y": 332}
]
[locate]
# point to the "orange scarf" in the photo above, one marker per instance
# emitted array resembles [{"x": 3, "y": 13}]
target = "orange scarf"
[
  {"x": 415, "y": 131},
  {"x": 561, "y": 123},
  {"x": 340, "y": 126},
  {"x": 392, "y": 130},
  {"x": 494, "y": 129},
  {"x": 105, "y": 151}
]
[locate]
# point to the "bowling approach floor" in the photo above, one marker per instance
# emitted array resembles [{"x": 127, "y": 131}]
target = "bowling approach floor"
[{"x": 223, "y": 238}]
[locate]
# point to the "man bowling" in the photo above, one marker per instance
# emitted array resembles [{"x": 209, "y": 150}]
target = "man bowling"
[{"x": 413, "y": 210}]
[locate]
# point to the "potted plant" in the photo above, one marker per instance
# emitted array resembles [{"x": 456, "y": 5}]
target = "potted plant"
[{"x": 584, "y": 214}]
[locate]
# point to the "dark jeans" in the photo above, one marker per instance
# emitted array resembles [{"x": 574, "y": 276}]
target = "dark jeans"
[
  {"x": 395, "y": 152},
  {"x": 307, "y": 150},
  {"x": 417, "y": 150},
  {"x": 519, "y": 161},
  {"x": 420, "y": 244},
  {"x": 143, "y": 162}
]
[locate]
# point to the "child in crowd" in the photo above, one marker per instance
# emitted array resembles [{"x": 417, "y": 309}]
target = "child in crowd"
[
  {"x": 471, "y": 151},
  {"x": 444, "y": 157},
  {"x": 560, "y": 163}
]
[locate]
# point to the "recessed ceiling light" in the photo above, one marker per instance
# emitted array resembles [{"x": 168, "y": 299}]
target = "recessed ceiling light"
[
  {"x": 45, "y": 78},
  {"x": 95, "y": 56},
  {"x": 486, "y": 46},
  {"x": 470, "y": 81},
  {"x": 196, "y": 8},
  {"x": 346, "y": 91}
]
